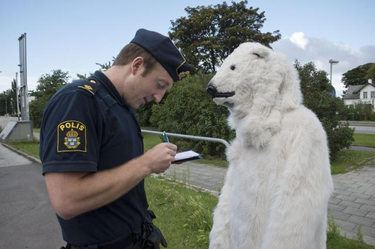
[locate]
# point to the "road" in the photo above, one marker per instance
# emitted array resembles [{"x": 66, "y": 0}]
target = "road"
[
  {"x": 364, "y": 129},
  {"x": 27, "y": 219}
]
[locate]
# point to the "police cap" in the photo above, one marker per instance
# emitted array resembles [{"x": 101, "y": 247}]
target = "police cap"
[{"x": 164, "y": 51}]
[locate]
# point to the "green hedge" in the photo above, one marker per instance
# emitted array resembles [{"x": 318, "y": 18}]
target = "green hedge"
[{"x": 188, "y": 109}]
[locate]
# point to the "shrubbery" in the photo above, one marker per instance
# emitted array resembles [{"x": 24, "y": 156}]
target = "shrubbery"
[
  {"x": 358, "y": 112},
  {"x": 188, "y": 109},
  {"x": 317, "y": 96},
  {"x": 47, "y": 87}
]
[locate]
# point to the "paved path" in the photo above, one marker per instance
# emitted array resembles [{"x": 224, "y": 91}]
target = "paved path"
[
  {"x": 26, "y": 216},
  {"x": 352, "y": 204},
  {"x": 364, "y": 129}
]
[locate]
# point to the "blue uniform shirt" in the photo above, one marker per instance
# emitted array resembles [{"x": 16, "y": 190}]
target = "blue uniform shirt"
[{"x": 88, "y": 127}]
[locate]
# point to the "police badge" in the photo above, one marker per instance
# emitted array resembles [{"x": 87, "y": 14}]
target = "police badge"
[
  {"x": 72, "y": 139},
  {"x": 71, "y": 136}
]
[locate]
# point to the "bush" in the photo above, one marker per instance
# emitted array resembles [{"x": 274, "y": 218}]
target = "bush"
[
  {"x": 144, "y": 114},
  {"x": 359, "y": 112},
  {"x": 48, "y": 84},
  {"x": 188, "y": 109},
  {"x": 36, "y": 108},
  {"x": 317, "y": 97}
]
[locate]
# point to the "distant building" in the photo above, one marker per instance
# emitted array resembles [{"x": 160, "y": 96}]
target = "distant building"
[
  {"x": 31, "y": 98},
  {"x": 364, "y": 94}
]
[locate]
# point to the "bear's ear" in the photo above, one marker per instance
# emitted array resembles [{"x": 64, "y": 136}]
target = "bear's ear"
[
  {"x": 291, "y": 96},
  {"x": 261, "y": 52}
]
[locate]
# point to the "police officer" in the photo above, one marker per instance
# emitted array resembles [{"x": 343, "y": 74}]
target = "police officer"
[{"x": 91, "y": 147}]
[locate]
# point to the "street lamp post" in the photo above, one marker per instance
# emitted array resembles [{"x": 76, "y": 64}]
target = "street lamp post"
[{"x": 330, "y": 74}]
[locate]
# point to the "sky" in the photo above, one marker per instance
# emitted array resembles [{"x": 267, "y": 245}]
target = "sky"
[{"x": 74, "y": 35}]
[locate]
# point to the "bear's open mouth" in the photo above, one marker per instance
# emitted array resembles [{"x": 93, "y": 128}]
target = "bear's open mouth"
[
  {"x": 214, "y": 93},
  {"x": 223, "y": 95}
]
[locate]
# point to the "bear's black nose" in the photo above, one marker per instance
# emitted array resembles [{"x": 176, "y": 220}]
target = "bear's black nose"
[{"x": 211, "y": 89}]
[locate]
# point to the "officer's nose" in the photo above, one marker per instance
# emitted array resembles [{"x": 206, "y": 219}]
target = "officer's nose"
[
  {"x": 211, "y": 89},
  {"x": 158, "y": 97}
]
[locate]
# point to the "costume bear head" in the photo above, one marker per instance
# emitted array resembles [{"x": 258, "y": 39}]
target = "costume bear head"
[{"x": 256, "y": 84}]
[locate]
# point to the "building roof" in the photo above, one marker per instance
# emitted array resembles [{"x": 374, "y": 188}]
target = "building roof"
[{"x": 353, "y": 92}]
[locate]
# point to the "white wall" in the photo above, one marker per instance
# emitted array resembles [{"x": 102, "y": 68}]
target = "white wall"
[{"x": 367, "y": 89}]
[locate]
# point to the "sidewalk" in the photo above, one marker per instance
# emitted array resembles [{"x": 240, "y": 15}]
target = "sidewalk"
[{"x": 27, "y": 219}]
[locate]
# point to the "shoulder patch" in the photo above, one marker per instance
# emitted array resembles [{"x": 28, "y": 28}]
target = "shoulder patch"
[
  {"x": 90, "y": 86},
  {"x": 71, "y": 137}
]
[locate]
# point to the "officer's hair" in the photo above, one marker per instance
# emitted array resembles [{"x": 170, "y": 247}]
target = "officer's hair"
[{"x": 132, "y": 51}]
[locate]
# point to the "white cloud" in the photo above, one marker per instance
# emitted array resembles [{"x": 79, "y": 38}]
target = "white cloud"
[
  {"x": 6, "y": 81},
  {"x": 320, "y": 51},
  {"x": 299, "y": 39}
]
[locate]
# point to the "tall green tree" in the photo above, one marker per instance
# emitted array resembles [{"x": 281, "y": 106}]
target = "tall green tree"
[
  {"x": 316, "y": 91},
  {"x": 371, "y": 73},
  {"x": 48, "y": 84},
  {"x": 13, "y": 98},
  {"x": 210, "y": 33},
  {"x": 359, "y": 75},
  {"x": 6, "y": 103}
]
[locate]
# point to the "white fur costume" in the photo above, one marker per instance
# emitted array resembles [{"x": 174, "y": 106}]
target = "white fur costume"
[{"x": 278, "y": 183}]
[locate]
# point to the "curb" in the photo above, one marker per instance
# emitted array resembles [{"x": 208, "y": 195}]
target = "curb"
[
  {"x": 31, "y": 158},
  {"x": 359, "y": 123}
]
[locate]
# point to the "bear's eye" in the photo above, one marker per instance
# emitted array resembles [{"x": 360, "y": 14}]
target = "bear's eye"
[
  {"x": 232, "y": 67},
  {"x": 257, "y": 55}
]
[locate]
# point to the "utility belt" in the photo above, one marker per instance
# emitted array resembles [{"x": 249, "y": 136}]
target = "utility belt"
[{"x": 151, "y": 238}]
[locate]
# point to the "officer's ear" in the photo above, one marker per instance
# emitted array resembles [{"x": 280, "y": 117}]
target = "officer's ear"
[{"x": 136, "y": 65}]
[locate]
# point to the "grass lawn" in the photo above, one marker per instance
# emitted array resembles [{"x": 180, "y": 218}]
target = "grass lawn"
[
  {"x": 367, "y": 140},
  {"x": 31, "y": 148},
  {"x": 348, "y": 160},
  {"x": 150, "y": 140},
  {"x": 185, "y": 215}
]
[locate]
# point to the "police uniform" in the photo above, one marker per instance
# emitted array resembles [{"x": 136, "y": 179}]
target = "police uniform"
[{"x": 88, "y": 127}]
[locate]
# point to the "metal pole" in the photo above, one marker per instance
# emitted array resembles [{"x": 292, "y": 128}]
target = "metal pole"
[
  {"x": 330, "y": 74},
  {"x": 6, "y": 108},
  {"x": 17, "y": 96},
  {"x": 23, "y": 78}
]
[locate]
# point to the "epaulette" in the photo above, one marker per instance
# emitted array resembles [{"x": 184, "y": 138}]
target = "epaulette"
[{"x": 90, "y": 86}]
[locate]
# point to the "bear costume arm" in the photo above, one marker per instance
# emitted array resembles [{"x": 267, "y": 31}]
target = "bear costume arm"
[
  {"x": 220, "y": 233},
  {"x": 298, "y": 217}
]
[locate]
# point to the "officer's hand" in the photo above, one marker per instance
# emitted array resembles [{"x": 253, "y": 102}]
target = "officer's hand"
[{"x": 160, "y": 157}]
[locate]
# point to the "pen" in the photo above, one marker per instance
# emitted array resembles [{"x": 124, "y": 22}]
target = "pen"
[{"x": 165, "y": 137}]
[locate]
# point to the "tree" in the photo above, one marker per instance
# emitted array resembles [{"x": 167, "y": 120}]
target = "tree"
[
  {"x": 48, "y": 84},
  {"x": 359, "y": 75},
  {"x": 188, "y": 109},
  {"x": 103, "y": 67},
  {"x": 8, "y": 100},
  {"x": 5, "y": 103},
  {"x": 316, "y": 91},
  {"x": 47, "y": 87},
  {"x": 371, "y": 73},
  {"x": 210, "y": 33},
  {"x": 107, "y": 65},
  {"x": 13, "y": 94}
]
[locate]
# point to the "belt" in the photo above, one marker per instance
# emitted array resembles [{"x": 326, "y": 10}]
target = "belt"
[{"x": 126, "y": 242}]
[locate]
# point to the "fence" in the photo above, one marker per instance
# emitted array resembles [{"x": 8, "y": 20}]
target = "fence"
[{"x": 210, "y": 139}]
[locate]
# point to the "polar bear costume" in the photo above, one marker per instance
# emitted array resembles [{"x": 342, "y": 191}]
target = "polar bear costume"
[{"x": 278, "y": 183}]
